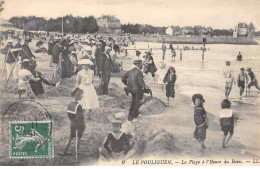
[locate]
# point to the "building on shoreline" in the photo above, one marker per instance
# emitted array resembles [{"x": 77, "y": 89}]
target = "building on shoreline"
[{"x": 109, "y": 24}]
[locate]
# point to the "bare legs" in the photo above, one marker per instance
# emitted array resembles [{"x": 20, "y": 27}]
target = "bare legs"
[{"x": 202, "y": 147}]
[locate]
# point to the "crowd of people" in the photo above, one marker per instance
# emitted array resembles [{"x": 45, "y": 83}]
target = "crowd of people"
[{"x": 89, "y": 57}]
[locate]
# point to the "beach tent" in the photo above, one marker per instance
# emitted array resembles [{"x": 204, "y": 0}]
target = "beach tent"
[{"x": 7, "y": 26}]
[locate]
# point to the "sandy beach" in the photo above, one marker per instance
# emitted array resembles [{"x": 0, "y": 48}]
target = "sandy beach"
[{"x": 162, "y": 131}]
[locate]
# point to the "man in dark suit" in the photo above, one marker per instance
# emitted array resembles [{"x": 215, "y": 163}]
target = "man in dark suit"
[
  {"x": 135, "y": 85},
  {"x": 56, "y": 51},
  {"x": 106, "y": 65},
  {"x": 98, "y": 55},
  {"x": 11, "y": 67},
  {"x": 26, "y": 52}
]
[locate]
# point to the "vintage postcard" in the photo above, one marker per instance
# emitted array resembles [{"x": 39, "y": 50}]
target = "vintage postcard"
[{"x": 129, "y": 83}]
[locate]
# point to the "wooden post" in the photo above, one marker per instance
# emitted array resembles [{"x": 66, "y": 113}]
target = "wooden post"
[
  {"x": 126, "y": 52},
  {"x": 204, "y": 40},
  {"x": 180, "y": 54},
  {"x": 203, "y": 50},
  {"x": 76, "y": 146}
]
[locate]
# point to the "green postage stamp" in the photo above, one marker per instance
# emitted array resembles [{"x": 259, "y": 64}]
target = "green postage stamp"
[{"x": 31, "y": 139}]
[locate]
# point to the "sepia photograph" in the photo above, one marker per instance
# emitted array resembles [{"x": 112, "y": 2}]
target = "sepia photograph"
[{"x": 129, "y": 83}]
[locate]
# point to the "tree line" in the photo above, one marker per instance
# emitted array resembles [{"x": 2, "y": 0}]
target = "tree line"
[
  {"x": 89, "y": 25},
  {"x": 71, "y": 24}
]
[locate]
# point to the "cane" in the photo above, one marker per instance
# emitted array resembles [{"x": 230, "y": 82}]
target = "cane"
[
  {"x": 246, "y": 89},
  {"x": 76, "y": 146}
]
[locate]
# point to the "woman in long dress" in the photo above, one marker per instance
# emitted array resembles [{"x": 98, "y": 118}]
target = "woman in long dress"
[{"x": 84, "y": 81}]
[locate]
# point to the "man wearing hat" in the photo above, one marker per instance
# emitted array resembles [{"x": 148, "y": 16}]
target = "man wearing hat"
[
  {"x": 106, "y": 65},
  {"x": 134, "y": 80},
  {"x": 26, "y": 52},
  {"x": 253, "y": 81},
  {"x": 98, "y": 55},
  {"x": 18, "y": 44},
  {"x": 10, "y": 60},
  {"x": 138, "y": 53},
  {"x": 56, "y": 51}
]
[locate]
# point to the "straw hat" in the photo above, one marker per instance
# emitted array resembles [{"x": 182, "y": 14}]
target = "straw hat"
[
  {"x": 99, "y": 43},
  {"x": 116, "y": 121},
  {"x": 107, "y": 48},
  {"x": 25, "y": 60},
  {"x": 9, "y": 41},
  {"x": 71, "y": 42},
  {"x": 120, "y": 116},
  {"x": 28, "y": 39},
  {"x": 85, "y": 62},
  {"x": 87, "y": 48}
]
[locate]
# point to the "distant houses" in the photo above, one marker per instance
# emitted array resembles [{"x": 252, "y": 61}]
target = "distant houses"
[
  {"x": 109, "y": 24},
  {"x": 188, "y": 31},
  {"x": 241, "y": 30}
]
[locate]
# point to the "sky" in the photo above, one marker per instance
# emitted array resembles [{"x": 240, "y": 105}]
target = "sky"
[{"x": 219, "y": 14}]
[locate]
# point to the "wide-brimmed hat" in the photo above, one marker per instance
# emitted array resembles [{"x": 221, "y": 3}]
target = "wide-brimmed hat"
[
  {"x": 87, "y": 48},
  {"x": 86, "y": 41},
  {"x": 120, "y": 116},
  {"x": 197, "y": 96},
  {"x": 71, "y": 42},
  {"x": 27, "y": 39},
  {"x": 85, "y": 62},
  {"x": 99, "y": 43},
  {"x": 116, "y": 121},
  {"x": 108, "y": 48},
  {"x": 248, "y": 69},
  {"x": 148, "y": 53},
  {"x": 25, "y": 60},
  {"x": 10, "y": 41},
  {"x": 161, "y": 64}
]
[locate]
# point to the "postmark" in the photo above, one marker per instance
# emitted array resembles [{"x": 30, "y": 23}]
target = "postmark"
[
  {"x": 31, "y": 139},
  {"x": 27, "y": 130}
]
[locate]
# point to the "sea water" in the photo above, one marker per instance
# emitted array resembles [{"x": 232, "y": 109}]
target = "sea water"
[{"x": 206, "y": 77}]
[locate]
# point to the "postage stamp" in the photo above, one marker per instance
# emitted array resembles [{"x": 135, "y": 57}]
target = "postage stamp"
[{"x": 31, "y": 139}]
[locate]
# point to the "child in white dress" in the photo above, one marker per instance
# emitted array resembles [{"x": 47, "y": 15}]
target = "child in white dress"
[{"x": 84, "y": 81}]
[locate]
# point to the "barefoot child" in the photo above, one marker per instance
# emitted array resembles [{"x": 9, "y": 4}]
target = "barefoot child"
[
  {"x": 226, "y": 121},
  {"x": 161, "y": 73},
  {"x": 169, "y": 80},
  {"x": 201, "y": 120},
  {"x": 75, "y": 113}
]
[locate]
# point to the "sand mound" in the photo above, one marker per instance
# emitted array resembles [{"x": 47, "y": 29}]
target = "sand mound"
[
  {"x": 160, "y": 143},
  {"x": 152, "y": 105}
]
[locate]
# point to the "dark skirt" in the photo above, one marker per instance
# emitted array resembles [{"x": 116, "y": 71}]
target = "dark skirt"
[
  {"x": 67, "y": 68},
  {"x": 37, "y": 87},
  {"x": 170, "y": 90},
  {"x": 200, "y": 133}
]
